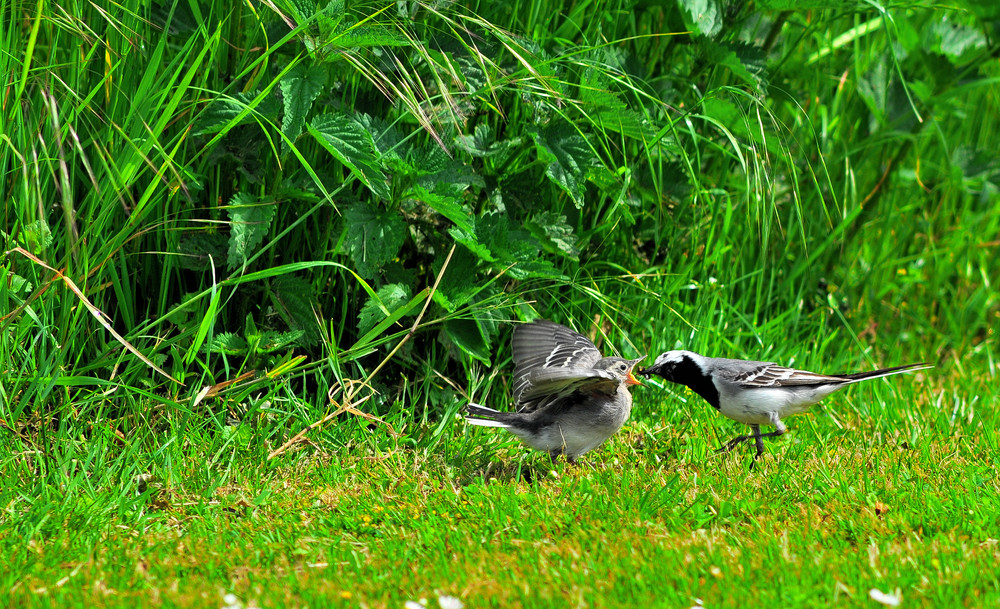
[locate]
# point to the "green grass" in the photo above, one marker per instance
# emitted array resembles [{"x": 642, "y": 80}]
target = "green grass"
[
  {"x": 256, "y": 257},
  {"x": 652, "y": 519}
]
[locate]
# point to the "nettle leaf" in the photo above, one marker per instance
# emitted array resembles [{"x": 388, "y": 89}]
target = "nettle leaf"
[
  {"x": 569, "y": 157},
  {"x": 352, "y": 144},
  {"x": 229, "y": 344},
  {"x": 370, "y": 35},
  {"x": 554, "y": 234},
  {"x": 222, "y": 113},
  {"x": 293, "y": 299},
  {"x": 374, "y": 237},
  {"x": 250, "y": 221},
  {"x": 745, "y": 61},
  {"x": 271, "y": 341},
  {"x": 474, "y": 336},
  {"x": 606, "y": 109},
  {"x": 12, "y": 282},
  {"x": 456, "y": 287},
  {"x": 483, "y": 143},
  {"x": 386, "y": 300},
  {"x": 468, "y": 336},
  {"x": 299, "y": 88},
  {"x": 471, "y": 242},
  {"x": 513, "y": 250},
  {"x": 959, "y": 42},
  {"x": 702, "y": 16},
  {"x": 444, "y": 186},
  {"x": 199, "y": 250},
  {"x": 36, "y": 237}
]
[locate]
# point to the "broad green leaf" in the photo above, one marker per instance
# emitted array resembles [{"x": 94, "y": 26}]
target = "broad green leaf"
[
  {"x": 388, "y": 299},
  {"x": 199, "y": 250},
  {"x": 442, "y": 187},
  {"x": 483, "y": 143},
  {"x": 11, "y": 283},
  {"x": 36, "y": 236},
  {"x": 293, "y": 299},
  {"x": 224, "y": 113},
  {"x": 745, "y": 61},
  {"x": 955, "y": 40},
  {"x": 512, "y": 250},
  {"x": 250, "y": 221},
  {"x": 351, "y": 144},
  {"x": 467, "y": 336},
  {"x": 371, "y": 35},
  {"x": 229, "y": 344},
  {"x": 702, "y": 16},
  {"x": 455, "y": 288},
  {"x": 299, "y": 88},
  {"x": 374, "y": 236},
  {"x": 554, "y": 233},
  {"x": 471, "y": 241},
  {"x": 568, "y": 155}
]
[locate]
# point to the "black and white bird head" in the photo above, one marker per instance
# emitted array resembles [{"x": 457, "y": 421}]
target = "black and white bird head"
[{"x": 677, "y": 366}]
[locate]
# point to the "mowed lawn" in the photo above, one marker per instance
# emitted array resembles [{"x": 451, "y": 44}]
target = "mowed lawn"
[{"x": 905, "y": 502}]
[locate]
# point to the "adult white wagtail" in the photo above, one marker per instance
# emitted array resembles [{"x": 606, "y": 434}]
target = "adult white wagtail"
[
  {"x": 567, "y": 398},
  {"x": 756, "y": 393}
]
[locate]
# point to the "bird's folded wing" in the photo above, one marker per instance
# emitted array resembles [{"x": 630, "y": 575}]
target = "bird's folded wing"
[
  {"x": 545, "y": 386},
  {"x": 544, "y": 344},
  {"x": 772, "y": 375}
]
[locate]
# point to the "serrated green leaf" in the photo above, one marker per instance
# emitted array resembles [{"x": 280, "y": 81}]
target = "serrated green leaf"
[
  {"x": 198, "y": 250},
  {"x": 388, "y": 299},
  {"x": 471, "y": 242},
  {"x": 224, "y": 113},
  {"x": 374, "y": 237},
  {"x": 351, "y": 144},
  {"x": 455, "y": 289},
  {"x": 299, "y": 88},
  {"x": 229, "y": 344},
  {"x": 483, "y": 143},
  {"x": 552, "y": 231},
  {"x": 36, "y": 236},
  {"x": 272, "y": 341},
  {"x": 512, "y": 250},
  {"x": 442, "y": 184},
  {"x": 745, "y": 61},
  {"x": 467, "y": 336},
  {"x": 293, "y": 299},
  {"x": 702, "y": 16},
  {"x": 568, "y": 156},
  {"x": 370, "y": 35},
  {"x": 955, "y": 40},
  {"x": 12, "y": 283},
  {"x": 250, "y": 221}
]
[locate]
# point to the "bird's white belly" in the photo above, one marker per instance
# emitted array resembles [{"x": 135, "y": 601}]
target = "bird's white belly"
[
  {"x": 765, "y": 406},
  {"x": 571, "y": 440}
]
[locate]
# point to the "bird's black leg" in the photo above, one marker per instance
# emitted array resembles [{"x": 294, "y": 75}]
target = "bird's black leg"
[
  {"x": 730, "y": 445},
  {"x": 758, "y": 438}
]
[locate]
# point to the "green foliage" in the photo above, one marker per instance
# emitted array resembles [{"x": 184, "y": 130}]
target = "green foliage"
[
  {"x": 250, "y": 221},
  {"x": 374, "y": 236}
]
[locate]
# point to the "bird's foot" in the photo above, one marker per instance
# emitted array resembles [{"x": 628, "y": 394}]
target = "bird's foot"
[{"x": 730, "y": 445}]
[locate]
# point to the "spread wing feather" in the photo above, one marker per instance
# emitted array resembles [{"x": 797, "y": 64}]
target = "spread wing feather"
[{"x": 543, "y": 345}]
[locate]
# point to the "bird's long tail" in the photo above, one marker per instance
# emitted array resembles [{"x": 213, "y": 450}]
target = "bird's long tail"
[
  {"x": 874, "y": 374},
  {"x": 477, "y": 414}
]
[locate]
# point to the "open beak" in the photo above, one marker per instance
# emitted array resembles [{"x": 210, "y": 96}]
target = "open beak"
[{"x": 630, "y": 378}]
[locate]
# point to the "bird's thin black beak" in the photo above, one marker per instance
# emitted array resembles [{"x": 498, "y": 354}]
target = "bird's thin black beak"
[{"x": 646, "y": 372}]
